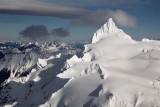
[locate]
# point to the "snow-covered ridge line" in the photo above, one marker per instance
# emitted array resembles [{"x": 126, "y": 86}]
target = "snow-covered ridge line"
[
  {"x": 108, "y": 29},
  {"x": 18, "y": 59},
  {"x": 113, "y": 71}
]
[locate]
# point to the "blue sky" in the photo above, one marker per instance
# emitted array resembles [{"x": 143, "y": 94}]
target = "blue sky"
[{"x": 81, "y": 18}]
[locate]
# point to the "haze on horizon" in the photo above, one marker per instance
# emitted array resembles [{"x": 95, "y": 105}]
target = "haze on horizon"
[{"x": 76, "y": 20}]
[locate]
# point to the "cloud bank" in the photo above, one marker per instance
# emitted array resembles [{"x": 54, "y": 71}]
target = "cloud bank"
[
  {"x": 78, "y": 16},
  {"x": 35, "y": 33},
  {"x": 60, "y": 32},
  {"x": 31, "y": 7},
  {"x": 99, "y": 17},
  {"x": 41, "y": 33},
  {"x": 106, "y": 3}
]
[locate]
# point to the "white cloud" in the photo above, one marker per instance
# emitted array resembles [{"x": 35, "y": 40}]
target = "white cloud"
[
  {"x": 99, "y": 17},
  {"x": 123, "y": 18}
]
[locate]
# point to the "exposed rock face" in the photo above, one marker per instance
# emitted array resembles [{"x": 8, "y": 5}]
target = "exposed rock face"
[{"x": 1, "y": 55}]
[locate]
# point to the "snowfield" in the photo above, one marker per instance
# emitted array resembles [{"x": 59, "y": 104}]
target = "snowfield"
[{"x": 114, "y": 71}]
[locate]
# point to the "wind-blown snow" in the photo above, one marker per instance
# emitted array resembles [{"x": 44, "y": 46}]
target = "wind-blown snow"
[{"x": 114, "y": 71}]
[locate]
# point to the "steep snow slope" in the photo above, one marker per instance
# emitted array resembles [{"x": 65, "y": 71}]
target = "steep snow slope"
[
  {"x": 19, "y": 58},
  {"x": 109, "y": 29},
  {"x": 114, "y": 71},
  {"x": 22, "y": 66}
]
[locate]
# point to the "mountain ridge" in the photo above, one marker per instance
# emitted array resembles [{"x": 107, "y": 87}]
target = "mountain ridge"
[
  {"x": 113, "y": 71},
  {"x": 108, "y": 29}
]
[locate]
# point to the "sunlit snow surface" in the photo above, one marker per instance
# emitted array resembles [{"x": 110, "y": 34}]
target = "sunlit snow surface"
[{"x": 113, "y": 71}]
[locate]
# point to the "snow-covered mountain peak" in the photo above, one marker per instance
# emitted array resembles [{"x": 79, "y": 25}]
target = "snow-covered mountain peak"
[
  {"x": 112, "y": 71},
  {"x": 109, "y": 26},
  {"x": 108, "y": 29}
]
